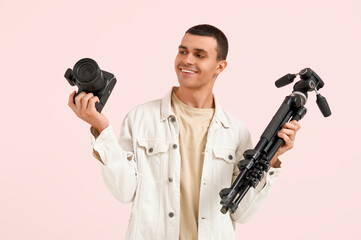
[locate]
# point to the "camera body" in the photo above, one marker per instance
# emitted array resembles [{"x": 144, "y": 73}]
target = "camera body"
[{"x": 87, "y": 75}]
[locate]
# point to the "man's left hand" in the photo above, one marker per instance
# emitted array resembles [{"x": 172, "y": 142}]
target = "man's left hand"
[{"x": 288, "y": 134}]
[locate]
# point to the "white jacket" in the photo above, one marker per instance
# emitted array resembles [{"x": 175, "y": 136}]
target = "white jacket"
[{"x": 144, "y": 167}]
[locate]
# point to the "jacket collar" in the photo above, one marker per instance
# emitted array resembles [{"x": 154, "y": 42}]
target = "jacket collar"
[{"x": 166, "y": 109}]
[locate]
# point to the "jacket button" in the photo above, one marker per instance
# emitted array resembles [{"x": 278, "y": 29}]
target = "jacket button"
[
  {"x": 171, "y": 214},
  {"x": 174, "y": 146},
  {"x": 230, "y": 157},
  {"x": 150, "y": 150},
  {"x": 172, "y": 119},
  {"x": 170, "y": 179}
]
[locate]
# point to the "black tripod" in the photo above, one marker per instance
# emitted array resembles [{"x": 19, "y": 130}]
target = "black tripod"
[{"x": 257, "y": 161}]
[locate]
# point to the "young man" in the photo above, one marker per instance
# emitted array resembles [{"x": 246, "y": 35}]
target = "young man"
[{"x": 174, "y": 155}]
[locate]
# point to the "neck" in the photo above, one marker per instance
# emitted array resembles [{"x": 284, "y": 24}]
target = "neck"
[{"x": 197, "y": 98}]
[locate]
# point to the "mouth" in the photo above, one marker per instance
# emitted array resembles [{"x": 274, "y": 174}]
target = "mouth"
[{"x": 187, "y": 71}]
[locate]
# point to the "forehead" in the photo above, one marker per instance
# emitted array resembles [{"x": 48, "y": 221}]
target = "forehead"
[{"x": 191, "y": 42}]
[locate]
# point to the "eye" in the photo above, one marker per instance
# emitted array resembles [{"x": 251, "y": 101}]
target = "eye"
[
  {"x": 182, "y": 52},
  {"x": 200, "y": 56}
]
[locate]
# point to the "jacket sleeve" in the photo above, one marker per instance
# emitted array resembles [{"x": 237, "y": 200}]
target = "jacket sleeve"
[
  {"x": 117, "y": 160},
  {"x": 254, "y": 198}
]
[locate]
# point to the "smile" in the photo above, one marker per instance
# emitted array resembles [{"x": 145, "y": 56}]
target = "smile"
[{"x": 188, "y": 71}]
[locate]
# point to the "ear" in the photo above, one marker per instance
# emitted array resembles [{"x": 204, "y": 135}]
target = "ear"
[{"x": 221, "y": 66}]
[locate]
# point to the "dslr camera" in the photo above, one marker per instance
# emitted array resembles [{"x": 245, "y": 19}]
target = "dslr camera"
[{"x": 87, "y": 75}]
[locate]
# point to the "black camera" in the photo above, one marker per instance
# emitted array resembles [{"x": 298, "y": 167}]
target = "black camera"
[{"x": 87, "y": 75}]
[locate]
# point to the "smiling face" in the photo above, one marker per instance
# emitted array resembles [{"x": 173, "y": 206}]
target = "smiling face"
[{"x": 196, "y": 63}]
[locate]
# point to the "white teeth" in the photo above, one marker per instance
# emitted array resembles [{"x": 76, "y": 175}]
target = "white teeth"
[{"x": 187, "y": 71}]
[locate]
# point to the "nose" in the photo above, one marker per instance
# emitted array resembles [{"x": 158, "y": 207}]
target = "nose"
[{"x": 188, "y": 59}]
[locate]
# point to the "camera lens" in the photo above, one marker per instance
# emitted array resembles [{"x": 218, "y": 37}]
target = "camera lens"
[{"x": 88, "y": 74}]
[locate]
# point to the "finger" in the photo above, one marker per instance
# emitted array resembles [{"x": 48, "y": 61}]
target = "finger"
[
  {"x": 78, "y": 100},
  {"x": 70, "y": 101},
  {"x": 288, "y": 142},
  {"x": 296, "y": 123},
  {"x": 91, "y": 104},
  {"x": 84, "y": 102},
  {"x": 289, "y": 132},
  {"x": 292, "y": 125}
]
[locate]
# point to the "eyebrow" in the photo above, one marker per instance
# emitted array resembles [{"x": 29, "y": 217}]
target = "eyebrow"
[{"x": 196, "y": 49}]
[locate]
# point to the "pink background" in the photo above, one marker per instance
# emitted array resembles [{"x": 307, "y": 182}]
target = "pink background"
[{"x": 51, "y": 186}]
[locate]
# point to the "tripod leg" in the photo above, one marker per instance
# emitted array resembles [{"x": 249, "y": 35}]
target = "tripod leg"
[{"x": 301, "y": 111}]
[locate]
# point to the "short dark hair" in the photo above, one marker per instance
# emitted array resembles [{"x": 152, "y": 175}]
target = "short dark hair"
[{"x": 211, "y": 31}]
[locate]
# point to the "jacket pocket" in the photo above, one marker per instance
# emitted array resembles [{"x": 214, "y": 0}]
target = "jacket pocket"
[
  {"x": 223, "y": 163},
  {"x": 152, "y": 157}
]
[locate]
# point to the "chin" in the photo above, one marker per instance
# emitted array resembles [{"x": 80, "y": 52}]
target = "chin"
[{"x": 188, "y": 85}]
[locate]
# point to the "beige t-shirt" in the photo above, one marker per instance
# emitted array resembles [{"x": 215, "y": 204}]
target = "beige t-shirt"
[{"x": 193, "y": 129}]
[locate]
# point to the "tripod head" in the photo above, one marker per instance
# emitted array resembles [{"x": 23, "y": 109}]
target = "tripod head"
[{"x": 310, "y": 81}]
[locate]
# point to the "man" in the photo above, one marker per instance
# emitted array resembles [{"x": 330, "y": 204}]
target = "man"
[{"x": 174, "y": 155}]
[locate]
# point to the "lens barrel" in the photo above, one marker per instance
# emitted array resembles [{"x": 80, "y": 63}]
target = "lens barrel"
[{"x": 88, "y": 75}]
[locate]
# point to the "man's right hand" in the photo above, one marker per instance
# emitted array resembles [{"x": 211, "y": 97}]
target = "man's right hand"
[{"x": 84, "y": 108}]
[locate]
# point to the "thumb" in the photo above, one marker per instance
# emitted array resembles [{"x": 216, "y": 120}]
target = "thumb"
[{"x": 92, "y": 102}]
